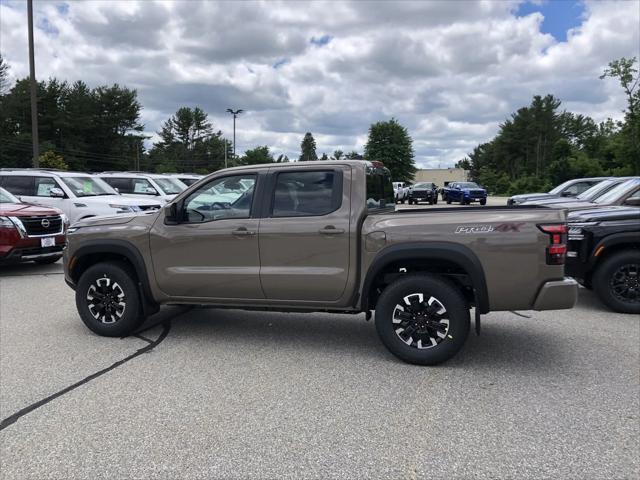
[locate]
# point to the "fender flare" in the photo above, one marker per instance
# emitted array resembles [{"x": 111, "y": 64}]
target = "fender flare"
[
  {"x": 131, "y": 253},
  {"x": 452, "y": 252},
  {"x": 629, "y": 238}
]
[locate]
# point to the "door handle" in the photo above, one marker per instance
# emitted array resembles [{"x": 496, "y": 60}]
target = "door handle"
[
  {"x": 242, "y": 231},
  {"x": 330, "y": 230}
]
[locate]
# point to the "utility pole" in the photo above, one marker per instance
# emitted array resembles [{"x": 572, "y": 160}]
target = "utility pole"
[
  {"x": 235, "y": 114},
  {"x": 225, "y": 153},
  {"x": 34, "y": 87}
]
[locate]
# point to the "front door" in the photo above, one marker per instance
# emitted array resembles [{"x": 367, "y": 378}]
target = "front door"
[
  {"x": 213, "y": 251},
  {"x": 304, "y": 239}
]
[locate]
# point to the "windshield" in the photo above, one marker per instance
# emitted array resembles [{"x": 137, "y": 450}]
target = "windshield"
[
  {"x": 423, "y": 185},
  {"x": 6, "y": 197},
  {"x": 597, "y": 190},
  {"x": 88, "y": 186},
  {"x": 558, "y": 190},
  {"x": 615, "y": 193},
  {"x": 468, "y": 185},
  {"x": 170, "y": 185}
]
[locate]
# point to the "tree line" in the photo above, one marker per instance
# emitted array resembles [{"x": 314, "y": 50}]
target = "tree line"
[
  {"x": 100, "y": 128},
  {"x": 540, "y": 145}
]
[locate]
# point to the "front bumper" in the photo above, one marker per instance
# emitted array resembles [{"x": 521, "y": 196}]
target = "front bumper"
[
  {"x": 557, "y": 295},
  {"x": 18, "y": 255}
]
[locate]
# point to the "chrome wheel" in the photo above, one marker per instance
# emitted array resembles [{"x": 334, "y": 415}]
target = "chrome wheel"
[
  {"x": 106, "y": 300},
  {"x": 420, "y": 324},
  {"x": 625, "y": 283}
]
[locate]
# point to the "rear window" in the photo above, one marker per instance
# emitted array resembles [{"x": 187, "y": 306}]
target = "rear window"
[
  {"x": 305, "y": 193},
  {"x": 379, "y": 188}
]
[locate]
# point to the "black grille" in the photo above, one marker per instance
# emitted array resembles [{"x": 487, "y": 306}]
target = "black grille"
[
  {"x": 476, "y": 193},
  {"x": 422, "y": 193},
  {"x": 34, "y": 225}
]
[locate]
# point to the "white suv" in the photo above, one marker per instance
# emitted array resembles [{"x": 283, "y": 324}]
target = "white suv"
[
  {"x": 144, "y": 185},
  {"x": 78, "y": 195}
]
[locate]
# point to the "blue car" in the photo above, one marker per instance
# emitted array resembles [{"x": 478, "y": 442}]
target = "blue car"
[{"x": 465, "y": 193}]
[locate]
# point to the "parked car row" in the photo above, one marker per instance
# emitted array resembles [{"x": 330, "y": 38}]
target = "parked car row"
[
  {"x": 603, "y": 248},
  {"x": 36, "y": 204}
]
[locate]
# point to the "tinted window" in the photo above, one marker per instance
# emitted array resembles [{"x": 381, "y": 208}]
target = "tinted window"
[
  {"x": 578, "y": 188},
  {"x": 379, "y": 188},
  {"x": 299, "y": 194},
  {"x": 227, "y": 197},
  {"x": 18, "y": 185},
  {"x": 44, "y": 185}
]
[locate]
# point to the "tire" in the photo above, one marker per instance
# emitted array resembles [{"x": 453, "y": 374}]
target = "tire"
[
  {"x": 114, "y": 279},
  {"x": 402, "y": 201},
  {"x": 405, "y": 293},
  {"x": 435, "y": 200},
  {"x": 47, "y": 260},
  {"x": 448, "y": 200},
  {"x": 430, "y": 202},
  {"x": 483, "y": 201},
  {"x": 617, "y": 281}
]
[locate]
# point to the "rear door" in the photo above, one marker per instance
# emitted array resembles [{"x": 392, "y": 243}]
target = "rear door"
[{"x": 304, "y": 235}]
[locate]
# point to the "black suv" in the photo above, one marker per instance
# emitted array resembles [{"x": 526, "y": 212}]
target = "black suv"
[
  {"x": 427, "y": 191},
  {"x": 604, "y": 254}
]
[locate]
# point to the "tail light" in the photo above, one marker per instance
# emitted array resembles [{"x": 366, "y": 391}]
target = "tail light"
[{"x": 557, "y": 250}]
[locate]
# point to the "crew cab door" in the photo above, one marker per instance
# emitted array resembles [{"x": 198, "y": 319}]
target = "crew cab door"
[
  {"x": 304, "y": 234},
  {"x": 211, "y": 250}
]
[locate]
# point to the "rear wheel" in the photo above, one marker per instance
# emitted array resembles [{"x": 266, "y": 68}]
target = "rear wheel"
[
  {"x": 108, "y": 301},
  {"x": 617, "y": 281},
  {"x": 422, "y": 319}
]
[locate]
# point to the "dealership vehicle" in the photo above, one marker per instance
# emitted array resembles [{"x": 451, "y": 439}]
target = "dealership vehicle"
[
  {"x": 144, "y": 185},
  {"x": 424, "y": 191},
  {"x": 78, "y": 195},
  {"x": 322, "y": 236},
  {"x": 187, "y": 178},
  {"x": 400, "y": 191},
  {"x": 604, "y": 254},
  {"x": 465, "y": 193},
  {"x": 568, "y": 189},
  {"x": 588, "y": 195},
  {"x": 30, "y": 233},
  {"x": 625, "y": 193}
]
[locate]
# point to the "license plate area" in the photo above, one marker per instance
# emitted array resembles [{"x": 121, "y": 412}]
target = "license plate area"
[{"x": 48, "y": 242}]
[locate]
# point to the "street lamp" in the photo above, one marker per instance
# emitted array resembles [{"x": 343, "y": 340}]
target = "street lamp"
[{"x": 235, "y": 113}]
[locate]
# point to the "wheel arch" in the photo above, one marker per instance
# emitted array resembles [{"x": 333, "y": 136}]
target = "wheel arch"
[
  {"x": 441, "y": 254},
  {"x": 612, "y": 244},
  {"x": 95, "y": 251}
]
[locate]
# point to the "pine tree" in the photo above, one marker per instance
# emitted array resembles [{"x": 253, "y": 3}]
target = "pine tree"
[{"x": 308, "y": 147}]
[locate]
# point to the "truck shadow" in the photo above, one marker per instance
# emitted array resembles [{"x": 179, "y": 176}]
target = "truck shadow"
[{"x": 516, "y": 345}]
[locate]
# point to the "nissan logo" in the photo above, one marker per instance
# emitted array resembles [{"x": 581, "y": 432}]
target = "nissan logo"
[{"x": 45, "y": 223}]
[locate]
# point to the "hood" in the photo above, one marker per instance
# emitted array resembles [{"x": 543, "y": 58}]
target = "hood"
[
  {"x": 550, "y": 201},
  {"x": 531, "y": 196},
  {"x": 605, "y": 214},
  {"x": 116, "y": 199},
  {"x": 25, "y": 209},
  {"x": 119, "y": 219}
]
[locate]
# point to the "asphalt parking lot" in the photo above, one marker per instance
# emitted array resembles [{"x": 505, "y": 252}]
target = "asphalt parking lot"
[{"x": 233, "y": 394}]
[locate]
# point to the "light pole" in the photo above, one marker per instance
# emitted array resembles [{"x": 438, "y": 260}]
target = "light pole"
[
  {"x": 235, "y": 114},
  {"x": 34, "y": 87}
]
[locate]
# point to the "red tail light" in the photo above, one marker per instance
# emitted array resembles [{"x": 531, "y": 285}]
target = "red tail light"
[{"x": 557, "y": 250}]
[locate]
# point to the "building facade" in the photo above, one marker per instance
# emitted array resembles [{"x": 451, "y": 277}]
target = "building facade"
[{"x": 441, "y": 176}]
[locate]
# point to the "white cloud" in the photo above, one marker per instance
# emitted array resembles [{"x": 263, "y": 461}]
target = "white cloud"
[{"x": 449, "y": 71}]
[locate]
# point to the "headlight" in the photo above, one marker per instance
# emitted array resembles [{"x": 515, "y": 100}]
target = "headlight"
[
  {"x": 5, "y": 222},
  {"x": 576, "y": 230},
  {"x": 122, "y": 208}
]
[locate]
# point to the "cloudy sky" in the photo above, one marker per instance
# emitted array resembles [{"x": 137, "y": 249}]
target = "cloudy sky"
[{"x": 450, "y": 71}]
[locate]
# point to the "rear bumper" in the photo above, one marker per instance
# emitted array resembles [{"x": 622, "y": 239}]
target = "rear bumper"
[{"x": 557, "y": 295}]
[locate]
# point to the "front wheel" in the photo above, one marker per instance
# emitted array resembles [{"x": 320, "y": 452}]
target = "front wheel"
[
  {"x": 422, "y": 319},
  {"x": 108, "y": 301},
  {"x": 483, "y": 201},
  {"x": 435, "y": 200},
  {"x": 617, "y": 281},
  {"x": 448, "y": 200}
]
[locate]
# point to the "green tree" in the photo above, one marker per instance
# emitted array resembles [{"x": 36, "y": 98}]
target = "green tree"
[
  {"x": 308, "y": 148},
  {"x": 390, "y": 143},
  {"x": 324, "y": 157},
  {"x": 353, "y": 155},
  {"x": 338, "y": 154},
  {"x": 257, "y": 156},
  {"x": 282, "y": 158},
  {"x": 50, "y": 159}
]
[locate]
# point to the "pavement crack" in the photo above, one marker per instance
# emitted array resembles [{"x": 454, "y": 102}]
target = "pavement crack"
[{"x": 10, "y": 420}]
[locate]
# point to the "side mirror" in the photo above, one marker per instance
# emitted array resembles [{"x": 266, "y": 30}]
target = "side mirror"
[
  {"x": 117, "y": 189},
  {"x": 632, "y": 202},
  {"x": 171, "y": 214},
  {"x": 56, "y": 192},
  {"x": 151, "y": 191}
]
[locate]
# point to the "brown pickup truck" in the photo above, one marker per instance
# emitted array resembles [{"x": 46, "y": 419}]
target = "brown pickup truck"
[{"x": 321, "y": 236}]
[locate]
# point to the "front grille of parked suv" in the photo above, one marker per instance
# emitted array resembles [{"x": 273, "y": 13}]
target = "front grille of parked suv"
[
  {"x": 476, "y": 193},
  {"x": 42, "y": 225}
]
